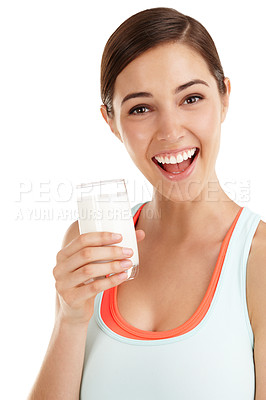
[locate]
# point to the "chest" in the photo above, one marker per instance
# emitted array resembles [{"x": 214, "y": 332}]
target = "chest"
[{"x": 170, "y": 286}]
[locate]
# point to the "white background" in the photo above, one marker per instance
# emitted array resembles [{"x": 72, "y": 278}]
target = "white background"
[{"x": 53, "y": 137}]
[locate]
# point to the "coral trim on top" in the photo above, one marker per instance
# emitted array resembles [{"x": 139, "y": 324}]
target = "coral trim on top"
[{"x": 114, "y": 320}]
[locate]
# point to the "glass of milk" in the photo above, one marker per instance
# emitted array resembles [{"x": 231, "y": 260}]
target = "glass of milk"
[{"x": 104, "y": 207}]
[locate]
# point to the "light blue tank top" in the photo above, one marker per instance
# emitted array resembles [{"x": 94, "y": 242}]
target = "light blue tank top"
[{"x": 213, "y": 361}]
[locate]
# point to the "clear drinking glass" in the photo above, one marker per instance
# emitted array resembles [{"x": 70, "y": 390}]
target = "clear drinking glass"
[{"x": 104, "y": 207}]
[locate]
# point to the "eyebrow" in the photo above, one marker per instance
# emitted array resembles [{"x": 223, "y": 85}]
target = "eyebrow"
[{"x": 177, "y": 90}]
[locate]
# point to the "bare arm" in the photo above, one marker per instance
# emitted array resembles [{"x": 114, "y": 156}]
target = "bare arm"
[
  {"x": 60, "y": 374},
  {"x": 257, "y": 297},
  {"x": 61, "y": 371}
]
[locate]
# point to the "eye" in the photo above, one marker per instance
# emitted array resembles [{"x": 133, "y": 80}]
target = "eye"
[
  {"x": 139, "y": 110},
  {"x": 193, "y": 99}
]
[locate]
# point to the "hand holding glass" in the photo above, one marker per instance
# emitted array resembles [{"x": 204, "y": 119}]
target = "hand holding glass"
[{"x": 104, "y": 207}]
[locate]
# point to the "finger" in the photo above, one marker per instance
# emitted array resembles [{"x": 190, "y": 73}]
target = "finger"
[
  {"x": 140, "y": 235},
  {"x": 85, "y": 240},
  {"x": 92, "y": 271},
  {"x": 92, "y": 254},
  {"x": 90, "y": 290}
]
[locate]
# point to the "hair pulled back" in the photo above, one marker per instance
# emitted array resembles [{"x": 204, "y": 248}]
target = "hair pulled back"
[{"x": 148, "y": 29}]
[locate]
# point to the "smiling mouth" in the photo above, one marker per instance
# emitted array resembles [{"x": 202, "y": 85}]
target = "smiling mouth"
[{"x": 177, "y": 168}]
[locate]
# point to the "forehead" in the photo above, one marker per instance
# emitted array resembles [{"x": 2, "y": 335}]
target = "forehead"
[{"x": 164, "y": 66}]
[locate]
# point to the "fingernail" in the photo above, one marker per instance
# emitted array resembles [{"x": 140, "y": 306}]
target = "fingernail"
[
  {"x": 116, "y": 236},
  {"x": 122, "y": 276},
  {"x": 126, "y": 251},
  {"x": 126, "y": 264}
]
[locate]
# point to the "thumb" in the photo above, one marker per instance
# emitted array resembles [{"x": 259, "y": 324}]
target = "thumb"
[{"x": 140, "y": 235}]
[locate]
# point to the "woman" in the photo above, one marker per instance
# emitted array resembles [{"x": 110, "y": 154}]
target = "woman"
[{"x": 192, "y": 325}]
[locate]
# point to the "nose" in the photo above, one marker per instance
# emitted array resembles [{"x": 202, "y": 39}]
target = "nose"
[{"x": 170, "y": 127}]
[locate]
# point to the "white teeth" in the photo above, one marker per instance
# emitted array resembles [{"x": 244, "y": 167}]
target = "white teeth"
[
  {"x": 179, "y": 158},
  {"x": 174, "y": 159}
]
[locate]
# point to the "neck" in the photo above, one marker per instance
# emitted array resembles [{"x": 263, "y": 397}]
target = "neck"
[{"x": 185, "y": 221}]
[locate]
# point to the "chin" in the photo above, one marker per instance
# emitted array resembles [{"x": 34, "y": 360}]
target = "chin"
[{"x": 187, "y": 192}]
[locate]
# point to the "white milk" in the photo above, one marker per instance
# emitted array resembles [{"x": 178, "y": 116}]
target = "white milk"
[{"x": 110, "y": 213}]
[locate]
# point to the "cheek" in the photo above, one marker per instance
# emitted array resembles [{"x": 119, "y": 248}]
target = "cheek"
[
  {"x": 135, "y": 138},
  {"x": 206, "y": 123}
]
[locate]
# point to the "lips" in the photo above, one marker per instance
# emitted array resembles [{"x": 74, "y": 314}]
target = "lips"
[
  {"x": 180, "y": 175},
  {"x": 161, "y": 165}
]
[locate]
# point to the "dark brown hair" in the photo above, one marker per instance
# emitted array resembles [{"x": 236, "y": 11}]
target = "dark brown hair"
[{"x": 148, "y": 29}]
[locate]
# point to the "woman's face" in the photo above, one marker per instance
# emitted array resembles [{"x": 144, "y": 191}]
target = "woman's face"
[{"x": 155, "y": 113}]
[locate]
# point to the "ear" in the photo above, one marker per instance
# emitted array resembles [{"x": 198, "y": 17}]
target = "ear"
[
  {"x": 110, "y": 121},
  {"x": 225, "y": 98}
]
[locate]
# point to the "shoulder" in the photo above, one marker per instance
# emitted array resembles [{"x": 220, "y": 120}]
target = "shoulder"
[
  {"x": 256, "y": 279},
  {"x": 71, "y": 233},
  {"x": 256, "y": 298}
]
